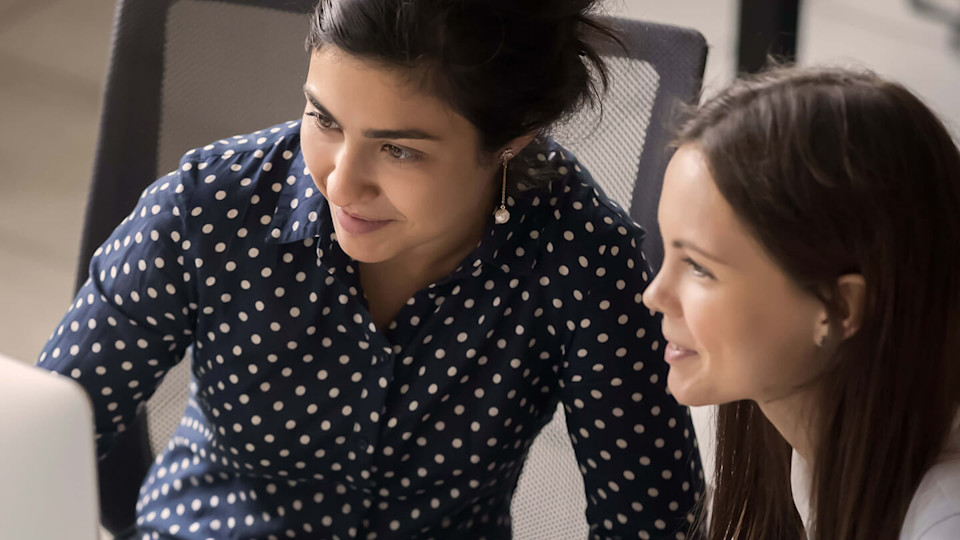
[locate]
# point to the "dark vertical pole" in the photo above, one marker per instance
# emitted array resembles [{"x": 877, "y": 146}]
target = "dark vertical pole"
[{"x": 767, "y": 27}]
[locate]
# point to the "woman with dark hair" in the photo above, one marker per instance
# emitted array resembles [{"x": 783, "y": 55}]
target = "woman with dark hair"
[
  {"x": 387, "y": 299},
  {"x": 811, "y": 287}
]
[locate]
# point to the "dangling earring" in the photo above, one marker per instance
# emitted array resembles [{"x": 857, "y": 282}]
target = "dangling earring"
[{"x": 502, "y": 215}]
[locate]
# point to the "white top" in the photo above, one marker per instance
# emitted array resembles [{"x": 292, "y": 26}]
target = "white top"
[{"x": 934, "y": 512}]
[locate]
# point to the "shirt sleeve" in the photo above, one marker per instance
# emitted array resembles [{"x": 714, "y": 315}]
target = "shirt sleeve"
[
  {"x": 635, "y": 444},
  {"x": 947, "y": 529},
  {"x": 131, "y": 320}
]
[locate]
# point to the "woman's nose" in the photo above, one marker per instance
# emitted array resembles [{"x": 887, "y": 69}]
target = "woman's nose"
[
  {"x": 349, "y": 182},
  {"x": 654, "y": 297}
]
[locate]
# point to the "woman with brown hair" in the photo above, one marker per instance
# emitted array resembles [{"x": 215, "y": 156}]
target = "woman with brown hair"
[{"x": 811, "y": 286}]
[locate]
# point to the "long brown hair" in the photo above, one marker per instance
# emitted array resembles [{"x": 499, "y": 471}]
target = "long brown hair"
[{"x": 840, "y": 172}]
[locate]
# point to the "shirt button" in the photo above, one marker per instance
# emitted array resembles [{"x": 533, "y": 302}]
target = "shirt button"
[{"x": 363, "y": 444}]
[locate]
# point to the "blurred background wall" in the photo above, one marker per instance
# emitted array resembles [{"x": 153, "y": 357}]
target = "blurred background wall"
[{"x": 53, "y": 58}]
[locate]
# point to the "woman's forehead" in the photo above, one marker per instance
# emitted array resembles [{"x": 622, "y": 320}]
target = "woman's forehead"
[
  {"x": 368, "y": 91},
  {"x": 690, "y": 201},
  {"x": 693, "y": 210}
]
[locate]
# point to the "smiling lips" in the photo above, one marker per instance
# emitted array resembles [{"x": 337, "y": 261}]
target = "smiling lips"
[
  {"x": 358, "y": 225},
  {"x": 675, "y": 353}
]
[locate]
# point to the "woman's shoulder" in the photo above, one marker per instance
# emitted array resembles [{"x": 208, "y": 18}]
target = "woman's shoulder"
[
  {"x": 934, "y": 512},
  {"x": 579, "y": 213},
  {"x": 241, "y": 161},
  {"x": 256, "y": 181},
  {"x": 247, "y": 144},
  {"x": 583, "y": 234}
]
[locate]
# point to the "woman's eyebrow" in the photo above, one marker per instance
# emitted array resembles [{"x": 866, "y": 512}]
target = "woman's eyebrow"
[
  {"x": 411, "y": 133},
  {"x": 399, "y": 134},
  {"x": 686, "y": 244},
  {"x": 316, "y": 103}
]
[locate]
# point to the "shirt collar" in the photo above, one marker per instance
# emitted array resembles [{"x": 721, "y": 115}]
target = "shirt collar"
[{"x": 512, "y": 248}]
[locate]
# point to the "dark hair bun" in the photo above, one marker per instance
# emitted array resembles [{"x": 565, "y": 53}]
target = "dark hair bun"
[{"x": 537, "y": 9}]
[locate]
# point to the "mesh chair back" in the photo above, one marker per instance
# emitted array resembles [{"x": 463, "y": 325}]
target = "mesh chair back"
[{"x": 186, "y": 72}]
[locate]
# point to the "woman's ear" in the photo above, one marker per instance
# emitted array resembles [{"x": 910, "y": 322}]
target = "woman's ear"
[{"x": 853, "y": 291}]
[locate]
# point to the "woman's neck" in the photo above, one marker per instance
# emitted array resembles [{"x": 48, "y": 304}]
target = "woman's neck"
[{"x": 793, "y": 417}]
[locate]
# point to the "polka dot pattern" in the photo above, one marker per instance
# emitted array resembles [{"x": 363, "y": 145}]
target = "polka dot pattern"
[{"x": 305, "y": 420}]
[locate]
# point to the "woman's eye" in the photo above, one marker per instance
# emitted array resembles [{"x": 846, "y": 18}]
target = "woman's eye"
[
  {"x": 323, "y": 121},
  {"x": 400, "y": 154},
  {"x": 696, "y": 269}
]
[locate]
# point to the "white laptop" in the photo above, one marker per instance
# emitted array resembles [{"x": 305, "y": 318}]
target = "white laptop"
[{"x": 47, "y": 460}]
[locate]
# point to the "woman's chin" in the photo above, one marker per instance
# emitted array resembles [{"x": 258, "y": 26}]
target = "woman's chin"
[
  {"x": 685, "y": 390},
  {"x": 364, "y": 256},
  {"x": 364, "y": 249}
]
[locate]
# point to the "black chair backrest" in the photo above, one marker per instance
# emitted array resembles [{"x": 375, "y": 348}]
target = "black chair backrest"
[
  {"x": 625, "y": 143},
  {"x": 182, "y": 73}
]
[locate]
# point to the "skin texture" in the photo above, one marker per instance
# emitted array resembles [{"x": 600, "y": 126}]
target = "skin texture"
[
  {"x": 738, "y": 328},
  {"x": 431, "y": 186}
]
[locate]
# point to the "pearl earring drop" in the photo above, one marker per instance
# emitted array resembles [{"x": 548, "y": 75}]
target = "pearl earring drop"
[{"x": 502, "y": 215}]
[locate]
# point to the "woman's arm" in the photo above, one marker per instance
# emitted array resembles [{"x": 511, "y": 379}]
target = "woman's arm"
[
  {"x": 635, "y": 444},
  {"x": 132, "y": 319}
]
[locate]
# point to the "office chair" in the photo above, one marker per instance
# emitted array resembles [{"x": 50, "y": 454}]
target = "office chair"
[{"x": 186, "y": 72}]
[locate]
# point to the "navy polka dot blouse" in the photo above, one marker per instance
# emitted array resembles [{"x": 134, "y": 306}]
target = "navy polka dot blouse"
[{"x": 305, "y": 420}]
